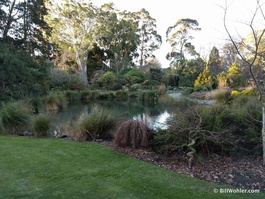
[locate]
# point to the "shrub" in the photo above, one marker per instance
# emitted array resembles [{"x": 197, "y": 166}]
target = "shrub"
[
  {"x": 149, "y": 95},
  {"x": 37, "y": 104},
  {"x": 86, "y": 95},
  {"x": 108, "y": 79},
  {"x": 133, "y": 133},
  {"x": 106, "y": 95},
  {"x": 235, "y": 93},
  {"x": 188, "y": 91},
  {"x": 41, "y": 126},
  {"x": 233, "y": 128},
  {"x": 162, "y": 89},
  {"x": 222, "y": 97},
  {"x": 72, "y": 95},
  {"x": 249, "y": 92},
  {"x": 135, "y": 76},
  {"x": 98, "y": 124},
  {"x": 59, "y": 78},
  {"x": 55, "y": 101},
  {"x": 75, "y": 83},
  {"x": 15, "y": 118},
  {"x": 122, "y": 94}
]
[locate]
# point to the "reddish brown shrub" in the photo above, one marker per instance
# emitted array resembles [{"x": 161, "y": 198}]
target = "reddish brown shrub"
[{"x": 133, "y": 133}]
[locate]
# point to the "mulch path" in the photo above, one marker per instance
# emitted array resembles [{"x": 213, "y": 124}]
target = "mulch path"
[{"x": 245, "y": 173}]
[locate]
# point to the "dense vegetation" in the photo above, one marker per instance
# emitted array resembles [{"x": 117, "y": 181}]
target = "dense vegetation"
[{"x": 54, "y": 53}]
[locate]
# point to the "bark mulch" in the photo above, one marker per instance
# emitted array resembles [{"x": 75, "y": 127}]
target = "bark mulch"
[{"x": 245, "y": 173}]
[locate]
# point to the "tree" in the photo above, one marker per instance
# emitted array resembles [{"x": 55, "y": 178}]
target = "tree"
[
  {"x": 23, "y": 25},
  {"x": 190, "y": 73},
  {"x": 117, "y": 32},
  {"x": 249, "y": 53},
  {"x": 234, "y": 76},
  {"x": 179, "y": 38},
  {"x": 96, "y": 57},
  {"x": 214, "y": 62},
  {"x": 73, "y": 25},
  {"x": 205, "y": 79},
  {"x": 229, "y": 56},
  {"x": 20, "y": 75},
  {"x": 150, "y": 40}
]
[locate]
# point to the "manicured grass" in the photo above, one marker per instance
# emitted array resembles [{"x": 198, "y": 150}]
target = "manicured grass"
[{"x": 54, "y": 168}]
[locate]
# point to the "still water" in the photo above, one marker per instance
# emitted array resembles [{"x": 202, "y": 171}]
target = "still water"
[{"x": 154, "y": 115}]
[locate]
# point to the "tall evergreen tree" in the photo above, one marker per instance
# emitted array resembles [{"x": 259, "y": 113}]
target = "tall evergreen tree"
[
  {"x": 117, "y": 33},
  {"x": 150, "y": 40},
  {"x": 178, "y": 36},
  {"x": 23, "y": 24},
  {"x": 214, "y": 62}
]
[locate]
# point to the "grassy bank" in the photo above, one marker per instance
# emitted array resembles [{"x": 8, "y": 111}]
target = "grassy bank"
[{"x": 53, "y": 168}]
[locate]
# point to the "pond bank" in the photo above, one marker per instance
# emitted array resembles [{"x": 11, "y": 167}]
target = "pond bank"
[{"x": 199, "y": 97}]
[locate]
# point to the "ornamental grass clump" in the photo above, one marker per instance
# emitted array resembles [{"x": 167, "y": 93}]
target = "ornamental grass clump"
[
  {"x": 15, "y": 118},
  {"x": 98, "y": 124},
  {"x": 55, "y": 101},
  {"x": 133, "y": 133},
  {"x": 41, "y": 126}
]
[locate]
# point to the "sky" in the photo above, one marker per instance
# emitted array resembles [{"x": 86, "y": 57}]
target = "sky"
[{"x": 208, "y": 13}]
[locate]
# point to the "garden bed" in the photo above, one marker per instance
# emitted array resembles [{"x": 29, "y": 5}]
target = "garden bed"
[{"x": 245, "y": 173}]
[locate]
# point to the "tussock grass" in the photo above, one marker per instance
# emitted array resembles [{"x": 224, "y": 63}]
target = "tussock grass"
[
  {"x": 41, "y": 126},
  {"x": 55, "y": 101},
  {"x": 133, "y": 133},
  {"x": 15, "y": 118},
  {"x": 98, "y": 124}
]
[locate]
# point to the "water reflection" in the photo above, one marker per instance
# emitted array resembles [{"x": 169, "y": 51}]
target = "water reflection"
[
  {"x": 155, "y": 122},
  {"x": 154, "y": 115}
]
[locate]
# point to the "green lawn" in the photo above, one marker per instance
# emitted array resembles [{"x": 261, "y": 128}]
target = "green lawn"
[{"x": 53, "y": 168}]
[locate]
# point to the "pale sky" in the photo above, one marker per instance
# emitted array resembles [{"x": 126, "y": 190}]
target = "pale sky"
[{"x": 208, "y": 13}]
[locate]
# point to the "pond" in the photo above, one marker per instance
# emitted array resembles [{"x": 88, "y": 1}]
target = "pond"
[{"x": 154, "y": 115}]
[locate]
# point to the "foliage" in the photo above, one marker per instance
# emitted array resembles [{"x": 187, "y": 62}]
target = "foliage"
[
  {"x": 117, "y": 33},
  {"x": 188, "y": 91},
  {"x": 72, "y": 95},
  {"x": 108, "y": 79},
  {"x": 170, "y": 79},
  {"x": 214, "y": 62},
  {"x": 205, "y": 79},
  {"x": 232, "y": 127},
  {"x": 55, "y": 101},
  {"x": 179, "y": 40},
  {"x": 95, "y": 59},
  {"x": 248, "y": 92},
  {"x": 41, "y": 126},
  {"x": 87, "y": 95},
  {"x": 155, "y": 74},
  {"x": 149, "y": 95},
  {"x": 149, "y": 38},
  {"x": 59, "y": 78},
  {"x": 72, "y": 27},
  {"x": 98, "y": 124},
  {"x": 15, "y": 118},
  {"x": 133, "y": 133},
  {"x": 20, "y": 75},
  {"x": 135, "y": 76},
  {"x": 235, "y": 93},
  {"x": 234, "y": 76},
  {"x": 121, "y": 94},
  {"x": 222, "y": 97},
  {"x": 22, "y": 26}
]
